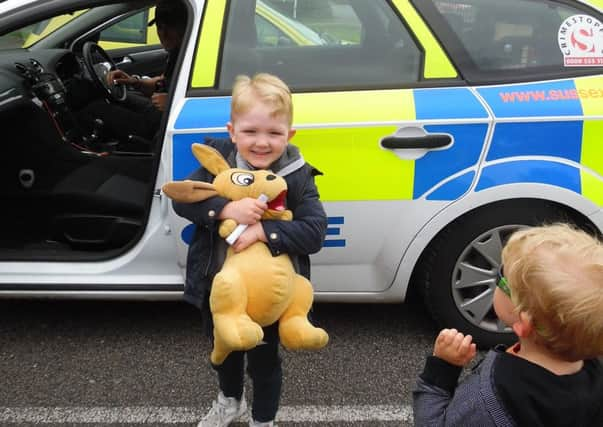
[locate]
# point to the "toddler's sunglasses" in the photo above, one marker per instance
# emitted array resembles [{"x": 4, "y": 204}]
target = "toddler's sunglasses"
[{"x": 502, "y": 283}]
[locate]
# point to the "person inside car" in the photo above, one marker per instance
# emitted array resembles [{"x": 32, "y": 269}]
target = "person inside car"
[{"x": 139, "y": 116}]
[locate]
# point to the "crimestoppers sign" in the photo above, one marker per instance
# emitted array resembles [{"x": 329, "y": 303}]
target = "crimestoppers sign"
[{"x": 580, "y": 39}]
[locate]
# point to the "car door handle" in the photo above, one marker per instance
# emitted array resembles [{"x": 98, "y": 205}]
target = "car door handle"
[
  {"x": 429, "y": 141},
  {"x": 125, "y": 60},
  {"x": 413, "y": 142}
]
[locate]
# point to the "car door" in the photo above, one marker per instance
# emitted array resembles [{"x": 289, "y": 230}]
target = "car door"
[
  {"x": 62, "y": 237},
  {"x": 379, "y": 109}
]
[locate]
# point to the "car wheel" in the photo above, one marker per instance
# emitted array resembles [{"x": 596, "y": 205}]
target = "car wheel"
[{"x": 459, "y": 269}]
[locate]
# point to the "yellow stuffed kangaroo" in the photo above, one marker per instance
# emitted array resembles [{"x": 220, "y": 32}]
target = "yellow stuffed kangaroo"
[{"x": 253, "y": 289}]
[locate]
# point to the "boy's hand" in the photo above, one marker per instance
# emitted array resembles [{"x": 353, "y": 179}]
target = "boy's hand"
[
  {"x": 244, "y": 211},
  {"x": 454, "y": 347},
  {"x": 253, "y": 233}
]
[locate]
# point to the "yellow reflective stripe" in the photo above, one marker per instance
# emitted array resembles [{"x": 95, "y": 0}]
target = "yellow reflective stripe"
[
  {"x": 354, "y": 107},
  {"x": 206, "y": 56},
  {"x": 596, "y": 3},
  {"x": 345, "y": 145},
  {"x": 592, "y": 149},
  {"x": 437, "y": 64},
  {"x": 590, "y": 93},
  {"x": 118, "y": 45},
  {"x": 592, "y": 188},
  {"x": 355, "y": 167},
  {"x": 592, "y": 158}
]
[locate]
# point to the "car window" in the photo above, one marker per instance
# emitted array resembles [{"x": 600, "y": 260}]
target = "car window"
[
  {"x": 17, "y": 39},
  {"x": 315, "y": 44},
  {"x": 130, "y": 30},
  {"x": 30, "y": 34},
  {"x": 511, "y": 34},
  {"x": 269, "y": 34},
  {"x": 274, "y": 28}
]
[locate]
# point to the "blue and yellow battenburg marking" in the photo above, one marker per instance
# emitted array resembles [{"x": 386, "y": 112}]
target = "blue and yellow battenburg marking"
[
  {"x": 574, "y": 108},
  {"x": 356, "y": 167},
  {"x": 339, "y": 133}
]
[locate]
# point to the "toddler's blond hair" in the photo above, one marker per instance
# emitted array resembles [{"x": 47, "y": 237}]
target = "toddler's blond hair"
[
  {"x": 265, "y": 88},
  {"x": 555, "y": 273}
]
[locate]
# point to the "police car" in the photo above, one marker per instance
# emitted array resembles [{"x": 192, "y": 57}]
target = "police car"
[{"x": 441, "y": 126}]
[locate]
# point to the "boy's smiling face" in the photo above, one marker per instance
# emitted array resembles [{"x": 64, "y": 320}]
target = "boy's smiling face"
[{"x": 261, "y": 137}]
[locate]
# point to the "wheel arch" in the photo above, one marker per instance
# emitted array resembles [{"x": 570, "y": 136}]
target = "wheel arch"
[{"x": 578, "y": 208}]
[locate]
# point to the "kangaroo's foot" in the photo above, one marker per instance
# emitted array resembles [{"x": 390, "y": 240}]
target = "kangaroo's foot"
[
  {"x": 297, "y": 333},
  {"x": 234, "y": 333}
]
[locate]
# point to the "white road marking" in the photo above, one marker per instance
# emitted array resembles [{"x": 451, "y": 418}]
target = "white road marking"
[{"x": 176, "y": 415}]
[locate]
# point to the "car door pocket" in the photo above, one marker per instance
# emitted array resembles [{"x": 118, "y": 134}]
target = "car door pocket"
[
  {"x": 412, "y": 143},
  {"x": 94, "y": 232}
]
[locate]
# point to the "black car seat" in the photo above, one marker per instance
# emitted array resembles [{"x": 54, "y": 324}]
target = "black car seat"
[
  {"x": 102, "y": 204},
  {"x": 56, "y": 199}
]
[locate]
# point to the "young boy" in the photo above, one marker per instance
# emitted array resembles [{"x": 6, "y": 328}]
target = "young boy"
[
  {"x": 551, "y": 294},
  {"x": 260, "y": 131}
]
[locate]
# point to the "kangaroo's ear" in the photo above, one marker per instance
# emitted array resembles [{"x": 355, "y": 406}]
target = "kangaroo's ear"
[
  {"x": 189, "y": 191},
  {"x": 210, "y": 158}
]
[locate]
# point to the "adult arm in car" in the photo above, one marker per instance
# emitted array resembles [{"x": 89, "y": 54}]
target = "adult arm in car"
[{"x": 146, "y": 86}]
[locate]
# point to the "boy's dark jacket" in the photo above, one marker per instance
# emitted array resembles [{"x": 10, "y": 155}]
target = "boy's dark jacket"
[
  {"x": 507, "y": 391},
  {"x": 298, "y": 238}
]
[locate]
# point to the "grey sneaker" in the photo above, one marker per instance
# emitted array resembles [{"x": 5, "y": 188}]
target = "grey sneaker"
[{"x": 224, "y": 411}]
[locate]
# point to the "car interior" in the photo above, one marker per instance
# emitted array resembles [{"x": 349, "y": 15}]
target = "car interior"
[{"x": 69, "y": 190}]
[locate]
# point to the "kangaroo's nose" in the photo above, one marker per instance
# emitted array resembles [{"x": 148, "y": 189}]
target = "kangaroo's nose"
[{"x": 270, "y": 177}]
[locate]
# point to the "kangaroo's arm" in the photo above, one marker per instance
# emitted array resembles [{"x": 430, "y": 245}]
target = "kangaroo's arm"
[
  {"x": 226, "y": 227},
  {"x": 285, "y": 215}
]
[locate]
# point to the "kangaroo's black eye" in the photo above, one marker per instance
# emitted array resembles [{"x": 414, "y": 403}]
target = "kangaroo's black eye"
[{"x": 242, "y": 178}]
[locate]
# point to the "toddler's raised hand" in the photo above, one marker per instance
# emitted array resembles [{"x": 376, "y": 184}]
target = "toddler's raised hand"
[
  {"x": 454, "y": 347},
  {"x": 244, "y": 211}
]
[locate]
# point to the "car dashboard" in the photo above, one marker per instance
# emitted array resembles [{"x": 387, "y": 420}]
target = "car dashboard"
[{"x": 40, "y": 77}]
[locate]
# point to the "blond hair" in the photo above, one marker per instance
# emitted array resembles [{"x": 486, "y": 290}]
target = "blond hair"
[
  {"x": 265, "y": 88},
  {"x": 555, "y": 273}
]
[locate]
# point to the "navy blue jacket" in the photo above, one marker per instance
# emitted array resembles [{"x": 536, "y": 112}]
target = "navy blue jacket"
[
  {"x": 298, "y": 238},
  {"x": 545, "y": 399}
]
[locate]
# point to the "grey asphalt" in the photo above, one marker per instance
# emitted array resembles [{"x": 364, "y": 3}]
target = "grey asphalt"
[{"x": 130, "y": 354}]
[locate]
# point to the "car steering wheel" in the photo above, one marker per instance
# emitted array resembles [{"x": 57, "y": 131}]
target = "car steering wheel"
[{"x": 99, "y": 63}]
